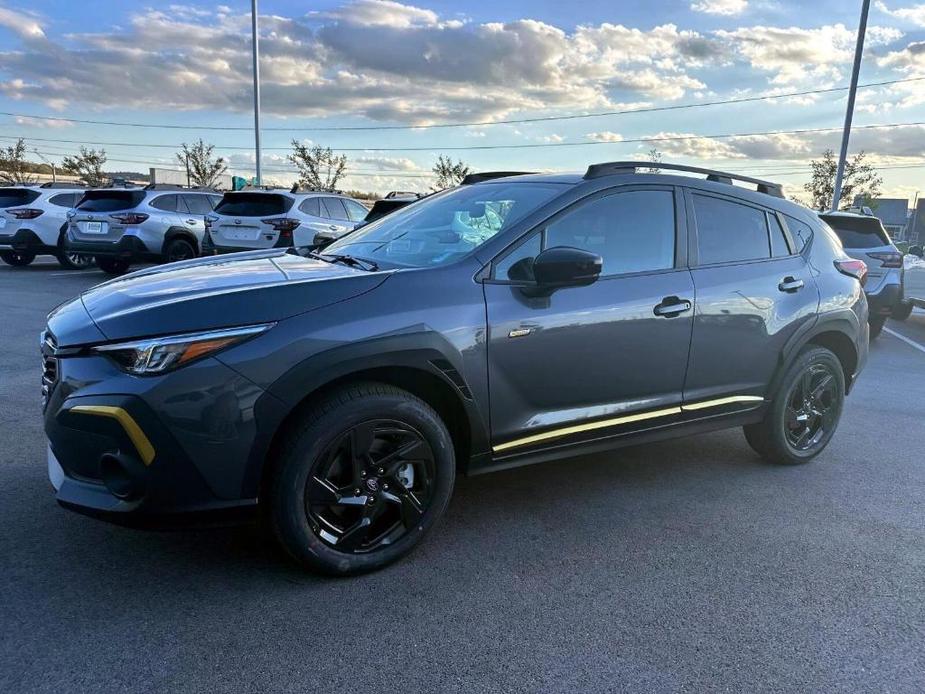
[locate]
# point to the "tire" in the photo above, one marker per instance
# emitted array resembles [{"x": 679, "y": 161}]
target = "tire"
[
  {"x": 17, "y": 258},
  {"x": 179, "y": 249},
  {"x": 777, "y": 437},
  {"x": 75, "y": 261},
  {"x": 318, "y": 499},
  {"x": 112, "y": 266},
  {"x": 876, "y": 326},
  {"x": 902, "y": 311}
]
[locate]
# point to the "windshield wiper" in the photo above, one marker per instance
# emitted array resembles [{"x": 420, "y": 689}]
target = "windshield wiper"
[{"x": 346, "y": 260}]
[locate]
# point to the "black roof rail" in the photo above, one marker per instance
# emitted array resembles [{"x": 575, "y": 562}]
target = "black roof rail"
[
  {"x": 631, "y": 167},
  {"x": 490, "y": 176},
  {"x": 63, "y": 184}
]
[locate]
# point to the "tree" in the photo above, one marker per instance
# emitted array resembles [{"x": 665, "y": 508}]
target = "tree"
[
  {"x": 13, "y": 165},
  {"x": 656, "y": 158},
  {"x": 319, "y": 168},
  {"x": 202, "y": 169},
  {"x": 449, "y": 174},
  {"x": 87, "y": 165},
  {"x": 860, "y": 179}
]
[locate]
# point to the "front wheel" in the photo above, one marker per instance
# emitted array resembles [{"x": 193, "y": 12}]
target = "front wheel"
[
  {"x": 112, "y": 266},
  {"x": 363, "y": 476},
  {"x": 17, "y": 258},
  {"x": 179, "y": 249},
  {"x": 805, "y": 411}
]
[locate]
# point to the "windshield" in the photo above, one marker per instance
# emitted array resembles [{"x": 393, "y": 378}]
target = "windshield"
[{"x": 445, "y": 227}]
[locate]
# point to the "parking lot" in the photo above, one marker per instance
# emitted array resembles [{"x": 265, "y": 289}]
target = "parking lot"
[{"x": 681, "y": 566}]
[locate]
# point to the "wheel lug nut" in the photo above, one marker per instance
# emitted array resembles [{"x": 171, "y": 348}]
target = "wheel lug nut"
[
  {"x": 357, "y": 491},
  {"x": 385, "y": 486},
  {"x": 363, "y": 474},
  {"x": 381, "y": 470}
]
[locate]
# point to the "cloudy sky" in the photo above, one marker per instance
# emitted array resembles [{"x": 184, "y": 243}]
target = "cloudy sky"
[{"x": 373, "y": 77}]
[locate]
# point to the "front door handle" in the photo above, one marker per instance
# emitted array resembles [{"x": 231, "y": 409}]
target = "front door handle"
[
  {"x": 790, "y": 284},
  {"x": 191, "y": 221},
  {"x": 672, "y": 306},
  {"x": 333, "y": 227}
]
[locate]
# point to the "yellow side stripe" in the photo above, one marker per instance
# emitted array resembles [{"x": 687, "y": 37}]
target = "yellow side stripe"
[
  {"x": 137, "y": 436},
  {"x": 615, "y": 421}
]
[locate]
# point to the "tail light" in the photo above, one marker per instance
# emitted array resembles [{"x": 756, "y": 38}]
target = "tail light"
[
  {"x": 285, "y": 226},
  {"x": 129, "y": 217},
  {"x": 25, "y": 212},
  {"x": 890, "y": 259},
  {"x": 853, "y": 268}
]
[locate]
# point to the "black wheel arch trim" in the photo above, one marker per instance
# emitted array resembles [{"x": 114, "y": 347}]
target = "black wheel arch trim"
[
  {"x": 425, "y": 355},
  {"x": 179, "y": 232}
]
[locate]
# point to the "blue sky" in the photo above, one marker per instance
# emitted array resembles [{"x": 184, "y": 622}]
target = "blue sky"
[{"x": 371, "y": 63}]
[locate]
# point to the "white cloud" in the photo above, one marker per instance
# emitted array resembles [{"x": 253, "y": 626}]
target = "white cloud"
[
  {"x": 386, "y": 163},
  {"x": 384, "y": 13},
  {"x": 722, "y": 7},
  {"x": 42, "y": 122},
  {"x": 914, "y": 14},
  {"x": 605, "y": 136},
  {"x": 21, "y": 23}
]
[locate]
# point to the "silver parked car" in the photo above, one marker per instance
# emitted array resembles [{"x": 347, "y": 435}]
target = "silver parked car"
[
  {"x": 864, "y": 238},
  {"x": 32, "y": 220},
  {"x": 121, "y": 226},
  {"x": 255, "y": 219},
  {"x": 913, "y": 284}
]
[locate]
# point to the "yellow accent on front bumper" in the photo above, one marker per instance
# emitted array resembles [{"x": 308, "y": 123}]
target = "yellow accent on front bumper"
[{"x": 137, "y": 436}]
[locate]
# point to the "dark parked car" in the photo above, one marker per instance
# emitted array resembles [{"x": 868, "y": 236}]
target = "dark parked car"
[
  {"x": 492, "y": 325},
  {"x": 863, "y": 237}
]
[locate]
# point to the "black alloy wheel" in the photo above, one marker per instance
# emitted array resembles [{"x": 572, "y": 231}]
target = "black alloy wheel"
[
  {"x": 371, "y": 486},
  {"x": 179, "y": 249},
  {"x": 75, "y": 261},
  {"x": 812, "y": 407},
  {"x": 17, "y": 258}
]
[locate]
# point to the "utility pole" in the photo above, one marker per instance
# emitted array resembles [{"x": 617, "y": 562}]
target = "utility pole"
[
  {"x": 257, "y": 87},
  {"x": 849, "y": 114},
  {"x": 186, "y": 156}
]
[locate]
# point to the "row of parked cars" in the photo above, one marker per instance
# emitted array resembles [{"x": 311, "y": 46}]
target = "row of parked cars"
[{"x": 116, "y": 227}]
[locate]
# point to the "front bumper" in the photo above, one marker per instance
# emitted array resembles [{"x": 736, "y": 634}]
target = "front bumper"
[{"x": 155, "y": 451}]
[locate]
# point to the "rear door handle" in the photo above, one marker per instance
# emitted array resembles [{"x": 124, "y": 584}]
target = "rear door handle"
[
  {"x": 333, "y": 227},
  {"x": 191, "y": 221},
  {"x": 790, "y": 284},
  {"x": 672, "y": 306}
]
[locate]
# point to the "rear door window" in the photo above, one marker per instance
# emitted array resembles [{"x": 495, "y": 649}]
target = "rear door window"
[
  {"x": 110, "y": 200},
  {"x": 334, "y": 208},
  {"x": 728, "y": 231},
  {"x": 13, "y": 197},
  {"x": 355, "y": 211},
  {"x": 253, "y": 204},
  {"x": 858, "y": 232}
]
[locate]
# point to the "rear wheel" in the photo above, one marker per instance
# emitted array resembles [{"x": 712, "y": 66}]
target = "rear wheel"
[
  {"x": 805, "y": 411},
  {"x": 361, "y": 479},
  {"x": 876, "y": 325},
  {"x": 112, "y": 266},
  {"x": 179, "y": 249},
  {"x": 17, "y": 258},
  {"x": 74, "y": 261},
  {"x": 902, "y": 311}
]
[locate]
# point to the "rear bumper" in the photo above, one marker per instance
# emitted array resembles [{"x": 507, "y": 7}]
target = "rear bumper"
[
  {"x": 128, "y": 247},
  {"x": 25, "y": 241},
  {"x": 886, "y": 297}
]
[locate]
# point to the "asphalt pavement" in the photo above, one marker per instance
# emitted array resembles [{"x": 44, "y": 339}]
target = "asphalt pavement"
[{"x": 687, "y": 565}]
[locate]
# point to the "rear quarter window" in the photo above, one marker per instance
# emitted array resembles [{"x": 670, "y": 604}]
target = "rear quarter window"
[
  {"x": 253, "y": 204},
  {"x": 110, "y": 200},
  {"x": 800, "y": 232},
  {"x": 858, "y": 232}
]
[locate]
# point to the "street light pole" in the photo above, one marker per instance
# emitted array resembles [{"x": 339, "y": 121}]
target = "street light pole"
[
  {"x": 849, "y": 114},
  {"x": 256, "y": 87}
]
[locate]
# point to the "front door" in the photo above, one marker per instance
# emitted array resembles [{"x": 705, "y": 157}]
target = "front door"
[{"x": 599, "y": 360}]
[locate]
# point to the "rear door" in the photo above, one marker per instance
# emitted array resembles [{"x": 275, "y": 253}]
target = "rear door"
[
  {"x": 197, "y": 207},
  {"x": 754, "y": 291},
  {"x": 598, "y": 360}
]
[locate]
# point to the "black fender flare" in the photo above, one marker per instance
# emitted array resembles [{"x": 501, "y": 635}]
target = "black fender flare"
[
  {"x": 427, "y": 354},
  {"x": 179, "y": 232},
  {"x": 844, "y": 321}
]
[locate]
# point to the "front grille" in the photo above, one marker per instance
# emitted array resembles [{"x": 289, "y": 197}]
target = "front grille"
[{"x": 49, "y": 368}]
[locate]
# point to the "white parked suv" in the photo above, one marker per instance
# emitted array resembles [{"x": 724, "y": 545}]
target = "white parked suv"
[
  {"x": 277, "y": 218},
  {"x": 121, "y": 226},
  {"x": 32, "y": 221}
]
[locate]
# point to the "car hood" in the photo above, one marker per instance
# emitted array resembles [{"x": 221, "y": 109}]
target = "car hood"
[{"x": 209, "y": 293}]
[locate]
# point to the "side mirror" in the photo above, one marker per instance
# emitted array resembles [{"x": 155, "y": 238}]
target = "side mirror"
[{"x": 563, "y": 266}]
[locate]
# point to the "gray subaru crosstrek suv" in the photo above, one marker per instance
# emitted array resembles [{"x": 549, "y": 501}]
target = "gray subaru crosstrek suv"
[
  {"x": 157, "y": 223},
  {"x": 493, "y": 325}
]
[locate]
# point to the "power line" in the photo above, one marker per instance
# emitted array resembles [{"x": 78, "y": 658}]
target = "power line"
[
  {"x": 528, "y": 145},
  {"x": 511, "y": 121}
]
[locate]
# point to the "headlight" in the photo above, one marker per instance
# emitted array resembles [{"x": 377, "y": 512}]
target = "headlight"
[{"x": 160, "y": 354}]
